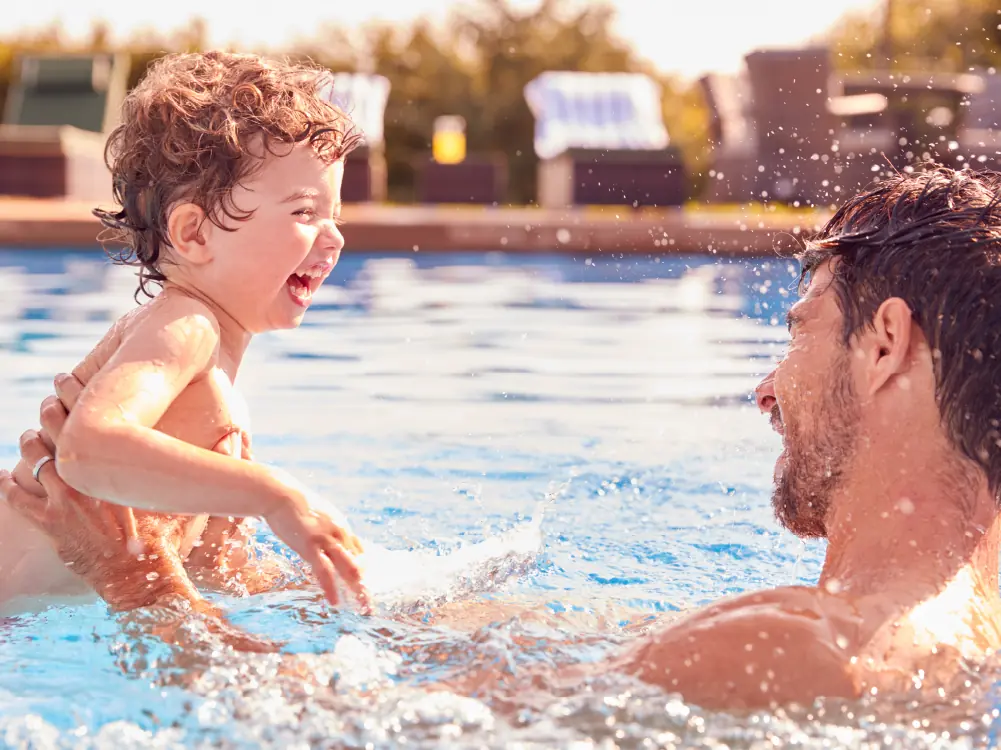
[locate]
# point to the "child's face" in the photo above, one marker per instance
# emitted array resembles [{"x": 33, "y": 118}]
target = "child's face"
[{"x": 265, "y": 272}]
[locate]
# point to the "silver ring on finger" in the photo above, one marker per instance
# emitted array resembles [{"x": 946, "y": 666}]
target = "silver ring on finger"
[{"x": 38, "y": 466}]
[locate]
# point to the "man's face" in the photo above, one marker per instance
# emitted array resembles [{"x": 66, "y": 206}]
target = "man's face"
[{"x": 812, "y": 401}]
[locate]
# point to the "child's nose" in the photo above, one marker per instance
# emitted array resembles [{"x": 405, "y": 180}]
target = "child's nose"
[{"x": 331, "y": 236}]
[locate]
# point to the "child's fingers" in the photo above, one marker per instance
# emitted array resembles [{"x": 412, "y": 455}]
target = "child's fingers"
[
  {"x": 348, "y": 541},
  {"x": 356, "y": 545},
  {"x": 344, "y": 561},
  {"x": 342, "y": 535},
  {"x": 349, "y": 570},
  {"x": 325, "y": 575}
]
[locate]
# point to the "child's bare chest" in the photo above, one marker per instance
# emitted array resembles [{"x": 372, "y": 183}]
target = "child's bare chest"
[{"x": 209, "y": 413}]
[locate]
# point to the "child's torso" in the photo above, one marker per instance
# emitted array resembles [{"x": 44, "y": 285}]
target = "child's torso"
[{"x": 209, "y": 413}]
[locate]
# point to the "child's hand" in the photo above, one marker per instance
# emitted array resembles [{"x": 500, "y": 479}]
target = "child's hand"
[{"x": 321, "y": 536}]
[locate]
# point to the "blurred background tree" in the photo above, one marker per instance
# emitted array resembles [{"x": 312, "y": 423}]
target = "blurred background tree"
[
  {"x": 921, "y": 35},
  {"x": 475, "y": 65}
]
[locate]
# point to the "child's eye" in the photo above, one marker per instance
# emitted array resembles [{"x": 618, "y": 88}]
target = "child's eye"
[{"x": 307, "y": 212}]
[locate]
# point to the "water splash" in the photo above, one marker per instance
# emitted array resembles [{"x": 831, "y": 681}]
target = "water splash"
[{"x": 407, "y": 580}]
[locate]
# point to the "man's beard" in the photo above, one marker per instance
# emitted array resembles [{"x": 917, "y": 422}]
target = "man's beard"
[{"x": 815, "y": 464}]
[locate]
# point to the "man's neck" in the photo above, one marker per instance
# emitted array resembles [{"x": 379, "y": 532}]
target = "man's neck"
[{"x": 911, "y": 533}]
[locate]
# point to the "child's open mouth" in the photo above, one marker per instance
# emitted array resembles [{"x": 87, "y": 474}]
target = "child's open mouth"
[
  {"x": 300, "y": 289},
  {"x": 302, "y": 285}
]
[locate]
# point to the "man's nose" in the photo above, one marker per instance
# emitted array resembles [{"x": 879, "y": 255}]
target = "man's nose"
[{"x": 764, "y": 394}]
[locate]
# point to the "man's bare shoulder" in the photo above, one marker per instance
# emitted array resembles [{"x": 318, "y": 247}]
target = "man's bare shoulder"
[
  {"x": 755, "y": 650},
  {"x": 196, "y": 318},
  {"x": 933, "y": 641}
]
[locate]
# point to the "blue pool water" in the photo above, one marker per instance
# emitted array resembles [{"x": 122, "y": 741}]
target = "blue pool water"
[{"x": 439, "y": 399}]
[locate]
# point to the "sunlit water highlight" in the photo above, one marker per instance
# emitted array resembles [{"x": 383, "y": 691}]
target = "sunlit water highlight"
[{"x": 586, "y": 422}]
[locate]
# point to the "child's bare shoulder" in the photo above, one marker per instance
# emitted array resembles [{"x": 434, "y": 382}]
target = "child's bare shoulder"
[{"x": 180, "y": 323}]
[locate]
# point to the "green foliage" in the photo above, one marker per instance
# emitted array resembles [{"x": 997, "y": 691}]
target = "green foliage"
[
  {"x": 924, "y": 35},
  {"x": 475, "y": 65}
]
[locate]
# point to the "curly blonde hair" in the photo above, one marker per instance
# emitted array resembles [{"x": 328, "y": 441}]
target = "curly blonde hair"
[{"x": 186, "y": 131}]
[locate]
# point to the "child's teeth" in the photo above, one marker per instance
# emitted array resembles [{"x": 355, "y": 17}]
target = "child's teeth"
[{"x": 299, "y": 288}]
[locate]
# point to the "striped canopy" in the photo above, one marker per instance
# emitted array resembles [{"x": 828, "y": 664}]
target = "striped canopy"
[
  {"x": 615, "y": 111},
  {"x": 363, "y": 97}
]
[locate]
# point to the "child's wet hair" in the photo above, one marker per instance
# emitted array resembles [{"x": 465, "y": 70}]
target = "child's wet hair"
[{"x": 186, "y": 131}]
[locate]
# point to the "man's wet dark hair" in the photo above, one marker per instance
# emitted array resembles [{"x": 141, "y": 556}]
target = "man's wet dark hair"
[{"x": 933, "y": 239}]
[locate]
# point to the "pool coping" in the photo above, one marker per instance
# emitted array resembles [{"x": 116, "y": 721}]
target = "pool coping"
[{"x": 738, "y": 231}]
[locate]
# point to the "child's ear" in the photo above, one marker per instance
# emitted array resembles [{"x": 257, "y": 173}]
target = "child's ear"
[{"x": 189, "y": 229}]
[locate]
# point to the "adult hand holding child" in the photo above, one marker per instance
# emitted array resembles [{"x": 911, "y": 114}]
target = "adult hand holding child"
[
  {"x": 99, "y": 541},
  {"x": 133, "y": 565}
]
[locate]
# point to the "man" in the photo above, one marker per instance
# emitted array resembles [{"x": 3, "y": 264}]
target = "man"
[{"x": 889, "y": 404}]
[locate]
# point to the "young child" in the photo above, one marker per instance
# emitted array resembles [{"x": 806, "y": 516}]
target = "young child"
[{"x": 228, "y": 170}]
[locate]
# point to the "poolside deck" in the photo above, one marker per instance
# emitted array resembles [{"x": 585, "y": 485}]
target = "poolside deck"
[{"x": 751, "y": 231}]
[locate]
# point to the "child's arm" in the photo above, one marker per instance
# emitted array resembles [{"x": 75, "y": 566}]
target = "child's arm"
[{"x": 109, "y": 449}]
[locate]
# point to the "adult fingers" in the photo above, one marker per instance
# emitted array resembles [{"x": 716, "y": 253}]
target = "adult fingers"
[
  {"x": 111, "y": 516},
  {"x": 33, "y": 450},
  {"x": 106, "y": 516},
  {"x": 118, "y": 517},
  {"x": 128, "y": 519},
  {"x": 52, "y": 416},
  {"x": 68, "y": 388},
  {"x": 120, "y": 520},
  {"x": 24, "y": 480},
  {"x": 23, "y": 502}
]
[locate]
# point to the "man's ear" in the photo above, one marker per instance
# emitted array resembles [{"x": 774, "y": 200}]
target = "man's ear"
[
  {"x": 189, "y": 230},
  {"x": 887, "y": 346}
]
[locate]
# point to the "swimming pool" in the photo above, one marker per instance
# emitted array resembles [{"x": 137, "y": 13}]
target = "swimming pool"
[{"x": 439, "y": 399}]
